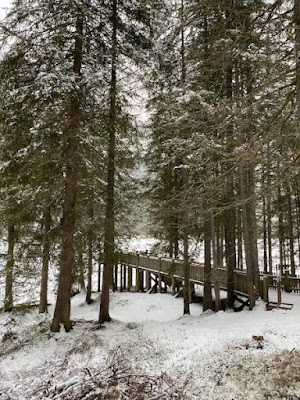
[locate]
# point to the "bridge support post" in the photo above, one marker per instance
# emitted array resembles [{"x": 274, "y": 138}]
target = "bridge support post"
[
  {"x": 137, "y": 279},
  {"x": 173, "y": 285},
  {"x": 148, "y": 279},
  {"x": 159, "y": 282},
  {"x": 137, "y": 275},
  {"x": 124, "y": 276},
  {"x": 121, "y": 278},
  {"x": 115, "y": 284},
  {"x": 129, "y": 278},
  {"x": 142, "y": 280},
  {"x": 159, "y": 276}
]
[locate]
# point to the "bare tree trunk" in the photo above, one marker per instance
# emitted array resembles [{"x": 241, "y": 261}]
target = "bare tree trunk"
[
  {"x": 230, "y": 250},
  {"x": 265, "y": 234},
  {"x": 99, "y": 266},
  {"x": 186, "y": 267},
  {"x": 170, "y": 249},
  {"x": 230, "y": 217},
  {"x": 280, "y": 229},
  {"x": 207, "y": 298},
  {"x": 246, "y": 232},
  {"x": 239, "y": 238},
  {"x": 186, "y": 289},
  {"x": 81, "y": 269},
  {"x": 9, "y": 269},
  {"x": 176, "y": 238},
  {"x": 219, "y": 246},
  {"x": 109, "y": 224},
  {"x": 297, "y": 54},
  {"x": 253, "y": 225},
  {"x": 298, "y": 221},
  {"x": 43, "y": 306},
  {"x": 63, "y": 306},
  {"x": 90, "y": 256},
  {"x": 291, "y": 230},
  {"x": 269, "y": 219},
  {"x": 215, "y": 274}
]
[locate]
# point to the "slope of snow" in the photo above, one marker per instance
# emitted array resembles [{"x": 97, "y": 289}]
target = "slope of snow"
[{"x": 207, "y": 355}]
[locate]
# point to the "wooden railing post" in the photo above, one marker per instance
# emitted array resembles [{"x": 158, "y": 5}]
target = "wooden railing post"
[
  {"x": 124, "y": 276},
  {"x": 148, "y": 278},
  {"x": 121, "y": 277}
]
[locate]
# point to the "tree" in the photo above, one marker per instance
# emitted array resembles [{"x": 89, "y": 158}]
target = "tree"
[{"x": 124, "y": 42}]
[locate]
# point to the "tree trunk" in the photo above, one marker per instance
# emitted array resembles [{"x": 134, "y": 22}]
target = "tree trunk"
[
  {"x": 176, "y": 238},
  {"x": 63, "y": 306},
  {"x": 230, "y": 217},
  {"x": 219, "y": 246},
  {"x": 81, "y": 269},
  {"x": 230, "y": 250},
  {"x": 291, "y": 230},
  {"x": 298, "y": 220},
  {"x": 186, "y": 267},
  {"x": 265, "y": 233},
  {"x": 170, "y": 250},
  {"x": 90, "y": 257},
  {"x": 99, "y": 266},
  {"x": 247, "y": 236},
  {"x": 269, "y": 220},
  {"x": 43, "y": 306},
  {"x": 253, "y": 225},
  {"x": 297, "y": 54},
  {"x": 109, "y": 223},
  {"x": 280, "y": 229},
  {"x": 215, "y": 274},
  {"x": 207, "y": 298},
  {"x": 239, "y": 238},
  {"x": 9, "y": 269}
]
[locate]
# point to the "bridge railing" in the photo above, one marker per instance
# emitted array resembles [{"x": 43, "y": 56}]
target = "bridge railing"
[{"x": 175, "y": 268}]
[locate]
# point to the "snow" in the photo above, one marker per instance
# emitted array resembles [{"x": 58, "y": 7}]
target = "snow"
[
  {"x": 140, "y": 244},
  {"x": 208, "y": 355},
  {"x": 4, "y": 7}
]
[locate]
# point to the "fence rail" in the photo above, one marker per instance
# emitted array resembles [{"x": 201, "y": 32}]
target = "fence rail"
[{"x": 174, "y": 269}]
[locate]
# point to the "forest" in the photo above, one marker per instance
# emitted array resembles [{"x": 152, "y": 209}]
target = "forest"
[{"x": 176, "y": 120}]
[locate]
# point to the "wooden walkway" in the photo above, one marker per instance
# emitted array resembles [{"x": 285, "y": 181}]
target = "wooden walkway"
[{"x": 147, "y": 270}]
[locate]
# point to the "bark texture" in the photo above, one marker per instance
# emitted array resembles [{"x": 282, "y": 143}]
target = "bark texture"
[
  {"x": 207, "y": 298},
  {"x": 247, "y": 236},
  {"x": 90, "y": 257},
  {"x": 43, "y": 306},
  {"x": 9, "y": 269},
  {"x": 62, "y": 308},
  {"x": 109, "y": 224}
]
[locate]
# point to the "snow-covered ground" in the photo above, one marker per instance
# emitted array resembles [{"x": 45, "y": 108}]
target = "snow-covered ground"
[{"x": 149, "y": 345}]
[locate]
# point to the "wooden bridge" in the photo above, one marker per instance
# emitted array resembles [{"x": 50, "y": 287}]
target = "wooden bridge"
[{"x": 147, "y": 271}]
